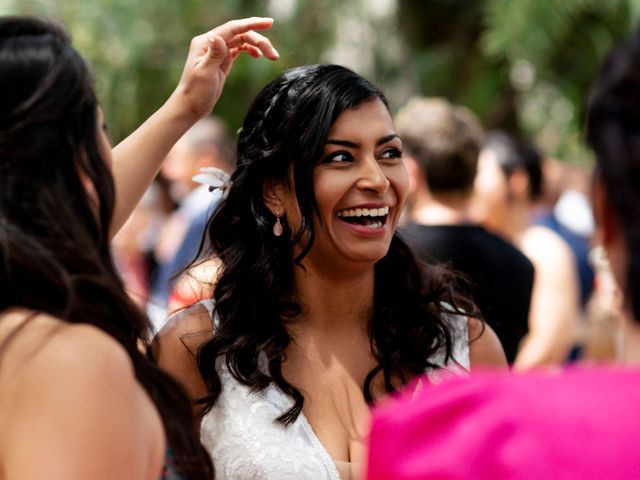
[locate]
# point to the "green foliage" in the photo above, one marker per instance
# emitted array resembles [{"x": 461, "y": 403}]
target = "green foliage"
[
  {"x": 137, "y": 49},
  {"x": 529, "y": 29},
  {"x": 562, "y": 44},
  {"x": 523, "y": 65}
]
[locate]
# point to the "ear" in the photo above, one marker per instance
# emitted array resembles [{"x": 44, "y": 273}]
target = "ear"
[
  {"x": 607, "y": 226},
  {"x": 273, "y": 195}
]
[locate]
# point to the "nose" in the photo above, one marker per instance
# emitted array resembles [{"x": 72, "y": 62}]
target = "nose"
[{"x": 372, "y": 177}]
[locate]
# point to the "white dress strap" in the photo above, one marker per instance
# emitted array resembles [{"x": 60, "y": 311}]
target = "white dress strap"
[
  {"x": 460, "y": 364},
  {"x": 460, "y": 328},
  {"x": 209, "y": 305}
]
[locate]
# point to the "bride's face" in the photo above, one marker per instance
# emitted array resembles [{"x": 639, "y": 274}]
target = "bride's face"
[{"x": 360, "y": 184}]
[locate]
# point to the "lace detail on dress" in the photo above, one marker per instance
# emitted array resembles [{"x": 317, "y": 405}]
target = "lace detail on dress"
[{"x": 245, "y": 443}]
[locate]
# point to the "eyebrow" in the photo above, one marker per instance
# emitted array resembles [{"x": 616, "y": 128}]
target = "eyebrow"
[{"x": 347, "y": 143}]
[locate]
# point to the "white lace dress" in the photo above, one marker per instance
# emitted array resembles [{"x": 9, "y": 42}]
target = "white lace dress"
[{"x": 245, "y": 443}]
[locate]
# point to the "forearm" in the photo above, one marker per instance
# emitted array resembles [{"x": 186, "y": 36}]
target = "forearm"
[{"x": 138, "y": 158}]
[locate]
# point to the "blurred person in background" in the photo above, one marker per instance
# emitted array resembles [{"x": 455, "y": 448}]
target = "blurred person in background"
[
  {"x": 205, "y": 145},
  {"x": 566, "y": 209},
  {"x": 132, "y": 247},
  {"x": 577, "y": 423},
  {"x": 507, "y": 186},
  {"x": 441, "y": 146}
]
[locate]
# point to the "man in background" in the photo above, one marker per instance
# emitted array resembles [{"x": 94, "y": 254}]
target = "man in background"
[{"x": 441, "y": 146}]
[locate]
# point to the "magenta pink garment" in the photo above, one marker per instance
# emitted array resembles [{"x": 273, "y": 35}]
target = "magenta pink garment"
[{"x": 581, "y": 423}]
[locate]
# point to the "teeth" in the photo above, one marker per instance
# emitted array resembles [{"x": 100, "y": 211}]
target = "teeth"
[{"x": 363, "y": 212}]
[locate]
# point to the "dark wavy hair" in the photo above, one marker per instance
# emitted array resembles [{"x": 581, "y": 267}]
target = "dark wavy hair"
[
  {"x": 54, "y": 235},
  {"x": 285, "y": 130},
  {"x": 613, "y": 132}
]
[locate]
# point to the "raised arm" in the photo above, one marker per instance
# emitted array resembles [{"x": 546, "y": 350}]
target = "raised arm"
[{"x": 137, "y": 159}]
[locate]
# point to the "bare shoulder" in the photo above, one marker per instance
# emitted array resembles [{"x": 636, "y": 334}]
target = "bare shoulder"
[
  {"x": 79, "y": 356},
  {"x": 189, "y": 327},
  {"x": 96, "y": 417},
  {"x": 42, "y": 341},
  {"x": 176, "y": 346},
  {"x": 485, "y": 349},
  {"x": 554, "y": 262},
  {"x": 100, "y": 350},
  {"x": 543, "y": 246}
]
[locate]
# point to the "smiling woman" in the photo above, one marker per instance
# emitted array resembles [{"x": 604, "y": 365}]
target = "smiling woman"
[
  {"x": 310, "y": 324},
  {"x": 360, "y": 185}
]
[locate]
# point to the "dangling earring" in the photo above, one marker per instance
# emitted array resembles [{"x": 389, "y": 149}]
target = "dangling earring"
[{"x": 277, "y": 228}]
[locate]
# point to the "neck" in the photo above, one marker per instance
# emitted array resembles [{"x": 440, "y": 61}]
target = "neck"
[
  {"x": 510, "y": 222},
  {"x": 441, "y": 209},
  {"x": 334, "y": 302},
  {"x": 518, "y": 220}
]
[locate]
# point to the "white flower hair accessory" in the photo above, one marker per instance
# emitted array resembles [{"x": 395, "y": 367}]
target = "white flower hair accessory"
[{"x": 216, "y": 178}]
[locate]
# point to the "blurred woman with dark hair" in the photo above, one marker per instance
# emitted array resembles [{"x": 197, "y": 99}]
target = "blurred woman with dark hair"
[
  {"x": 507, "y": 188},
  {"x": 79, "y": 399}
]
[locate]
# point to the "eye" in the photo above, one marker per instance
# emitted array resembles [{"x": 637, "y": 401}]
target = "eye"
[
  {"x": 338, "y": 157},
  {"x": 391, "y": 154}
]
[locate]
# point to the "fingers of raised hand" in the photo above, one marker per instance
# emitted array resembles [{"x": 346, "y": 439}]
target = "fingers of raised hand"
[
  {"x": 240, "y": 34},
  {"x": 255, "y": 44},
  {"x": 236, "y": 27},
  {"x": 255, "y": 52},
  {"x": 217, "y": 48}
]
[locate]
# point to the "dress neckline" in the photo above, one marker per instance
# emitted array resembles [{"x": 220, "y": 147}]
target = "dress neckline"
[
  {"x": 459, "y": 363},
  {"x": 327, "y": 460}
]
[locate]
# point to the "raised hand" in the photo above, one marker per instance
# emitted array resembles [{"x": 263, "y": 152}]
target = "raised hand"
[
  {"x": 211, "y": 57},
  {"x": 137, "y": 159}
]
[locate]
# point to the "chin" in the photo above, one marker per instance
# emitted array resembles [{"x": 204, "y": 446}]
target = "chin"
[{"x": 372, "y": 256}]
